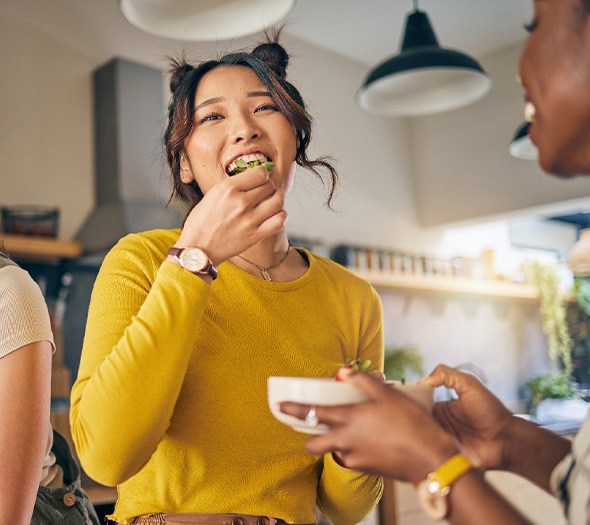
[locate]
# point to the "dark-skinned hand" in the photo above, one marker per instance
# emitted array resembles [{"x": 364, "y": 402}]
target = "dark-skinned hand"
[
  {"x": 478, "y": 420},
  {"x": 389, "y": 434}
]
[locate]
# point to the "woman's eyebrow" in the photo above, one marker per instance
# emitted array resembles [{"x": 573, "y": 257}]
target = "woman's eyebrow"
[
  {"x": 215, "y": 100},
  {"x": 208, "y": 102},
  {"x": 259, "y": 94}
]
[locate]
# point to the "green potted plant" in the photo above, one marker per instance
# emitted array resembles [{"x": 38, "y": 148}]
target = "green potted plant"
[
  {"x": 399, "y": 360},
  {"x": 558, "y": 384}
]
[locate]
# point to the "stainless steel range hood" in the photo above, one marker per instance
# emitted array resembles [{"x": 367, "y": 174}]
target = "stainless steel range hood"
[{"x": 131, "y": 185}]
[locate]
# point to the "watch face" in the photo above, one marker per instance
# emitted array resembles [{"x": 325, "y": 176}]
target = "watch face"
[
  {"x": 434, "y": 504},
  {"x": 194, "y": 260}
]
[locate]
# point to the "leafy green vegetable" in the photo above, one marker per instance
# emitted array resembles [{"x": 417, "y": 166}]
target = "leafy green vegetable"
[
  {"x": 242, "y": 165},
  {"x": 357, "y": 364}
]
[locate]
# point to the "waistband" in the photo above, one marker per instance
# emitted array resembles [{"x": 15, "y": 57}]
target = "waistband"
[{"x": 207, "y": 519}]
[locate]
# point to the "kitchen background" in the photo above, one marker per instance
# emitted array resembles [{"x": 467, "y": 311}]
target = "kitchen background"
[
  {"x": 437, "y": 188},
  {"x": 442, "y": 186}
]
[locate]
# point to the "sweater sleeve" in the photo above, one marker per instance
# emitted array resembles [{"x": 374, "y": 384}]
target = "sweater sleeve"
[
  {"x": 346, "y": 496},
  {"x": 139, "y": 337},
  {"x": 25, "y": 319}
]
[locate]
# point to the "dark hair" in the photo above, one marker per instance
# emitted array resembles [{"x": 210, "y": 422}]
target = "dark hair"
[{"x": 269, "y": 61}]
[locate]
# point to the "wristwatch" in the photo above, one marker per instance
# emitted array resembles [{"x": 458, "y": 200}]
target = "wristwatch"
[
  {"x": 433, "y": 492},
  {"x": 194, "y": 260}
]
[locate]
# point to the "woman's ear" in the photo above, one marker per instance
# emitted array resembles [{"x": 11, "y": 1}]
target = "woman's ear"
[{"x": 186, "y": 173}]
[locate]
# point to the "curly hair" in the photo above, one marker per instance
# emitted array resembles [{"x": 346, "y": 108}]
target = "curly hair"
[{"x": 269, "y": 61}]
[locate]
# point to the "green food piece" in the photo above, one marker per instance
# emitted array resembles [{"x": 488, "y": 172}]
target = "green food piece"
[
  {"x": 242, "y": 165},
  {"x": 357, "y": 364}
]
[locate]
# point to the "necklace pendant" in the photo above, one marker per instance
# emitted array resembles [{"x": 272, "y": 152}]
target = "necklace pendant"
[{"x": 265, "y": 274}]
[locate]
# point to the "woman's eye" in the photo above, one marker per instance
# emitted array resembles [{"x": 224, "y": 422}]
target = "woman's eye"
[
  {"x": 530, "y": 27},
  {"x": 267, "y": 107},
  {"x": 210, "y": 116}
]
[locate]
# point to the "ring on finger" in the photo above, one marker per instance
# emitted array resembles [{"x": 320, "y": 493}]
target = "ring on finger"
[{"x": 311, "y": 419}]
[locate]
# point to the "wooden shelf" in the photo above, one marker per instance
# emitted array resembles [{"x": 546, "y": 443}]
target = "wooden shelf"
[
  {"x": 40, "y": 248},
  {"x": 451, "y": 285}
]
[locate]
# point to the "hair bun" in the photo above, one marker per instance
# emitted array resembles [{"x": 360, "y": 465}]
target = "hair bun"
[
  {"x": 179, "y": 69},
  {"x": 274, "y": 56}
]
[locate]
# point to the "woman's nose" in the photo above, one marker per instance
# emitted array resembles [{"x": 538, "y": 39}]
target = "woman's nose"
[{"x": 245, "y": 130}]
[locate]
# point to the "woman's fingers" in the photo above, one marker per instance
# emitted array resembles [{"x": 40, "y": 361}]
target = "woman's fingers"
[
  {"x": 323, "y": 444},
  {"x": 449, "y": 377},
  {"x": 251, "y": 178},
  {"x": 330, "y": 415},
  {"x": 370, "y": 384}
]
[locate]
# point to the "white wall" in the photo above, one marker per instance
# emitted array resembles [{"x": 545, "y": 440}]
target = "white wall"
[
  {"x": 46, "y": 149},
  {"x": 375, "y": 204},
  {"x": 461, "y": 159},
  {"x": 395, "y": 175},
  {"x": 500, "y": 337}
]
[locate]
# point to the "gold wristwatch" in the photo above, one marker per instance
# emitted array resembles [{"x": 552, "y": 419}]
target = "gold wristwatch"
[
  {"x": 194, "y": 260},
  {"x": 433, "y": 492}
]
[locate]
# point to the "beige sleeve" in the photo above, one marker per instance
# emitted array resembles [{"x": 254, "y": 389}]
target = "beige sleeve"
[{"x": 24, "y": 318}]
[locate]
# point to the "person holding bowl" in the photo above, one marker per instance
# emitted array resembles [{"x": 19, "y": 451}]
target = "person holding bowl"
[{"x": 445, "y": 455}]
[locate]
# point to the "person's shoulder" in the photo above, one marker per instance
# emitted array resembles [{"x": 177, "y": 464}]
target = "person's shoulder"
[
  {"x": 20, "y": 293},
  {"x": 336, "y": 271},
  {"x": 151, "y": 244},
  {"x": 158, "y": 240},
  {"x": 14, "y": 278}
]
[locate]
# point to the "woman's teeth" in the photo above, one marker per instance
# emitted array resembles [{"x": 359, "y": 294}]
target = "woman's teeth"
[
  {"x": 529, "y": 112},
  {"x": 242, "y": 161}
]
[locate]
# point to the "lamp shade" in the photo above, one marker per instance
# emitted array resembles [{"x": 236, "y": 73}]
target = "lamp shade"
[
  {"x": 521, "y": 146},
  {"x": 424, "y": 78},
  {"x": 204, "y": 19}
]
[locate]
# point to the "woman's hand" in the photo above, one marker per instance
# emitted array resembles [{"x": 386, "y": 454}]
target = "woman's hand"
[
  {"x": 478, "y": 419},
  {"x": 234, "y": 215},
  {"x": 389, "y": 434}
]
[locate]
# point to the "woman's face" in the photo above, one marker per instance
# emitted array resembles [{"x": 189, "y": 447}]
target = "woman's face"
[
  {"x": 555, "y": 72},
  {"x": 235, "y": 117}
]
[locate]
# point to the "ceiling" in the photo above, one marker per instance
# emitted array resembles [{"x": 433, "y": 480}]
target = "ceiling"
[{"x": 367, "y": 31}]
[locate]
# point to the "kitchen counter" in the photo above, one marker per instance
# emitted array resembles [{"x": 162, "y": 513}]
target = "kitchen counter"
[{"x": 563, "y": 428}]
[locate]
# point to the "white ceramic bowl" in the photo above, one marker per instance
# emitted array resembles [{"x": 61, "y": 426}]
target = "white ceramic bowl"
[
  {"x": 310, "y": 391},
  {"x": 424, "y": 394}
]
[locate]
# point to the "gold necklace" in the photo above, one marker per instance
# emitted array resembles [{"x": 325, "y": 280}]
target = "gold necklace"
[{"x": 264, "y": 269}]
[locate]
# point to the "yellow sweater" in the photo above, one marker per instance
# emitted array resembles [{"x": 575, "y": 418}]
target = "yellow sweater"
[{"x": 170, "y": 402}]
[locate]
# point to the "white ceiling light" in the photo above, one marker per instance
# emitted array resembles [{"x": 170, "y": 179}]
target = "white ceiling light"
[
  {"x": 204, "y": 19},
  {"x": 424, "y": 78}
]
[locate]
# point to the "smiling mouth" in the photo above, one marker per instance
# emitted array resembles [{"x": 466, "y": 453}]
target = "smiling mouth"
[
  {"x": 530, "y": 112},
  {"x": 244, "y": 162}
]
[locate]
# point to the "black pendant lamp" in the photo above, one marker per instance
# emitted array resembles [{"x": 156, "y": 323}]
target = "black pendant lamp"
[
  {"x": 521, "y": 146},
  {"x": 424, "y": 78}
]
